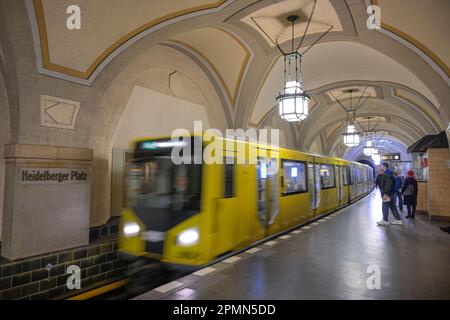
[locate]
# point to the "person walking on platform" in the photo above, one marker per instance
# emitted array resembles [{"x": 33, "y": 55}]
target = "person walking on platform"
[
  {"x": 388, "y": 195},
  {"x": 410, "y": 190},
  {"x": 398, "y": 190}
]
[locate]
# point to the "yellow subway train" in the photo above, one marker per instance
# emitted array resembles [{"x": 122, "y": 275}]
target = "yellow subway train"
[{"x": 190, "y": 214}]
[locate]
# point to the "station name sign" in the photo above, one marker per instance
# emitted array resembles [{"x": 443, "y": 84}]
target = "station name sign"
[
  {"x": 53, "y": 175},
  {"x": 393, "y": 156}
]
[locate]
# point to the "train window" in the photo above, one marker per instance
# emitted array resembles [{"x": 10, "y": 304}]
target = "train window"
[
  {"x": 352, "y": 174},
  {"x": 356, "y": 179},
  {"x": 346, "y": 175},
  {"x": 327, "y": 176},
  {"x": 229, "y": 180},
  {"x": 293, "y": 177},
  {"x": 157, "y": 184},
  {"x": 359, "y": 177}
]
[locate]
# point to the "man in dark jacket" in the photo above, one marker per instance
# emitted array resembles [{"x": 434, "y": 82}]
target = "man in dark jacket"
[
  {"x": 387, "y": 190},
  {"x": 378, "y": 180}
]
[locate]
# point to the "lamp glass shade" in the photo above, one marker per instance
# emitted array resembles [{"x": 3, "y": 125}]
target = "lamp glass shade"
[
  {"x": 293, "y": 104},
  {"x": 351, "y": 136},
  {"x": 368, "y": 150}
]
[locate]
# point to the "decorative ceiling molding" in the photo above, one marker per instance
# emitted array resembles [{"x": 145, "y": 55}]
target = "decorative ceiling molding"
[
  {"x": 415, "y": 105},
  {"x": 260, "y": 87},
  {"x": 232, "y": 93},
  {"x": 270, "y": 20},
  {"x": 358, "y": 91},
  {"x": 393, "y": 92},
  {"x": 419, "y": 47},
  {"x": 209, "y": 72},
  {"x": 86, "y": 77},
  {"x": 407, "y": 130},
  {"x": 356, "y": 64}
]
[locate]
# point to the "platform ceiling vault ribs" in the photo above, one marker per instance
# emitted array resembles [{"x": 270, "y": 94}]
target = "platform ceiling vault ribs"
[{"x": 403, "y": 66}]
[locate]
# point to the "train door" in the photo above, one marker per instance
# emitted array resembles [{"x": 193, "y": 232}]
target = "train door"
[
  {"x": 318, "y": 185},
  {"x": 353, "y": 179},
  {"x": 340, "y": 184},
  {"x": 267, "y": 183},
  {"x": 226, "y": 213},
  {"x": 347, "y": 182},
  {"x": 314, "y": 186}
]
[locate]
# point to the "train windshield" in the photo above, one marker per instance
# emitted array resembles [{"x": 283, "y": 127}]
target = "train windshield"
[{"x": 158, "y": 184}]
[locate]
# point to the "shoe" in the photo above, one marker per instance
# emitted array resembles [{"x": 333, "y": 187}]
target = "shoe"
[
  {"x": 445, "y": 229},
  {"x": 397, "y": 222},
  {"x": 406, "y": 217},
  {"x": 383, "y": 223},
  {"x": 413, "y": 217}
]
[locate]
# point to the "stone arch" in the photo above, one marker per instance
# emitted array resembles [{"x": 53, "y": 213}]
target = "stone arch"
[
  {"x": 151, "y": 70},
  {"x": 5, "y": 136}
]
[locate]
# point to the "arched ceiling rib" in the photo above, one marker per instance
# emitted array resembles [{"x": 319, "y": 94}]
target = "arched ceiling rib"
[
  {"x": 326, "y": 115},
  {"x": 339, "y": 61},
  {"x": 401, "y": 89},
  {"x": 78, "y": 53},
  {"x": 424, "y": 24},
  {"x": 391, "y": 135},
  {"x": 405, "y": 133},
  {"x": 388, "y": 145},
  {"x": 223, "y": 51}
]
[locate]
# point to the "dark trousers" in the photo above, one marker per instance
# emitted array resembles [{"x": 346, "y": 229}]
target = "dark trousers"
[
  {"x": 390, "y": 205},
  {"x": 400, "y": 200},
  {"x": 411, "y": 213}
]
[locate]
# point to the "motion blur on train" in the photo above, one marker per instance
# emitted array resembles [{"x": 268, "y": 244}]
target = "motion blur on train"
[{"x": 189, "y": 214}]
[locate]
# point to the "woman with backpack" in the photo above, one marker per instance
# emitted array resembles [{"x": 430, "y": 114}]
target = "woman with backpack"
[{"x": 409, "y": 191}]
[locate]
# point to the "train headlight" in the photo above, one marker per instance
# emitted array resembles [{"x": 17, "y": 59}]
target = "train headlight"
[
  {"x": 188, "y": 237},
  {"x": 131, "y": 229}
]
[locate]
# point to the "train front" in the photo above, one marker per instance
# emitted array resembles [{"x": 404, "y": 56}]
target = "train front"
[{"x": 163, "y": 200}]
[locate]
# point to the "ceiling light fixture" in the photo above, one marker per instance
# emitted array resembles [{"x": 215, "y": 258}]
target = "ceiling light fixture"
[
  {"x": 369, "y": 149},
  {"x": 293, "y": 101},
  {"x": 350, "y": 134}
]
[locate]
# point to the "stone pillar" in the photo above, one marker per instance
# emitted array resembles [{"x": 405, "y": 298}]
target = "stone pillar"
[
  {"x": 439, "y": 182},
  {"x": 47, "y": 199}
]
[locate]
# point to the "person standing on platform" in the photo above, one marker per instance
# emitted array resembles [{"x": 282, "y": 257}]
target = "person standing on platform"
[
  {"x": 410, "y": 190},
  {"x": 398, "y": 190},
  {"x": 388, "y": 195},
  {"x": 378, "y": 178}
]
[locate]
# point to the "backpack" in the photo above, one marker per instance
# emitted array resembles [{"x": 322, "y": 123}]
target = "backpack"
[{"x": 409, "y": 191}]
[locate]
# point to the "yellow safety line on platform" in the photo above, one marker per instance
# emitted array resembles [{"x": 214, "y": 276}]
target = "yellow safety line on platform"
[{"x": 98, "y": 291}]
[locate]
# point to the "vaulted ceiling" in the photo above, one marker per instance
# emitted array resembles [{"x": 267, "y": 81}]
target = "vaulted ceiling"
[{"x": 403, "y": 67}]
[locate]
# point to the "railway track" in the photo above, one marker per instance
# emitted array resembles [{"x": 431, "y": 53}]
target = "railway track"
[{"x": 149, "y": 277}]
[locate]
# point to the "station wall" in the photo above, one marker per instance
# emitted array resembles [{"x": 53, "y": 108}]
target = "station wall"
[
  {"x": 4, "y": 139},
  {"x": 147, "y": 114}
]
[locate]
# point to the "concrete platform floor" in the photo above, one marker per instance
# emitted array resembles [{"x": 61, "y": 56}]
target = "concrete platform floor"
[{"x": 329, "y": 260}]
